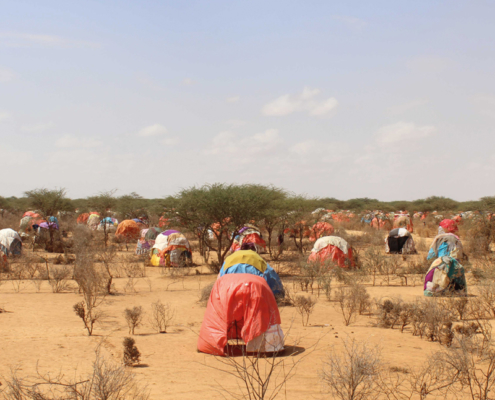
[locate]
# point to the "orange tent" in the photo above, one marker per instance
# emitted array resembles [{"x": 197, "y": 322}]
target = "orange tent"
[
  {"x": 320, "y": 229},
  {"x": 129, "y": 229},
  {"x": 83, "y": 218}
]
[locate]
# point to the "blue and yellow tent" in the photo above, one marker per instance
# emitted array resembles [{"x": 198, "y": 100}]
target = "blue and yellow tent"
[{"x": 250, "y": 262}]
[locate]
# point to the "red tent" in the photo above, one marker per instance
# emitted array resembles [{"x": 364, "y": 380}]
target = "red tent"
[
  {"x": 332, "y": 248},
  {"x": 129, "y": 229},
  {"x": 449, "y": 226},
  {"x": 82, "y": 218},
  {"x": 241, "y": 306},
  {"x": 320, "y": 229}
]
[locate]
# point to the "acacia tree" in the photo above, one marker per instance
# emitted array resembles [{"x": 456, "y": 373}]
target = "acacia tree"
[
  {"x": 222, "y": 208},
  {"x": 103, "y": 204},
  {"x": 131, "y": 206},
  {"x": 48, "y": 202}
]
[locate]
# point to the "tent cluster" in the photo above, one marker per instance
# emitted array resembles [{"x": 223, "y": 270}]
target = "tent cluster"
[{"x": 242, "y": 306}]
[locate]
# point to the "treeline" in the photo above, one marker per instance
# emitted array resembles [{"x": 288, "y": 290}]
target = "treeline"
[{"x": 131, "y": 205}]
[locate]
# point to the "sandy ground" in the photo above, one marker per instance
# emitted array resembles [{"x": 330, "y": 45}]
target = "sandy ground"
[{"x": 41, "y": 330}]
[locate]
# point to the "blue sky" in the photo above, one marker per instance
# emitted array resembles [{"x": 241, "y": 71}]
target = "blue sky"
[{"x": 385, "y": 99}]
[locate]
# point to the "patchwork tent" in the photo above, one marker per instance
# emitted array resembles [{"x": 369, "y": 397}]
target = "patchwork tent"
[
  {"x": 403, "y": 221},
  {"x": 319, "y": 230},
  {"x": 241, "y": 306},
  {"x": 332, "y": 248},
  {"x": 250, "y": 262},
  {"x": 27, "y": 222},
  {"x": 147, "y": 240},
  {"x": 399, "y": 241},
  {"x": 171, "y": 249},
  {"x": 128, "y": 229},
  {"x": 94, "y": 221},
  {"x": 249, "y": 237},
  {"x": 82, "y": 218},
  {"x": 446, "y": 244},
  {"x": 445, "y": 275},
  {"x": 111, "y": 224},
  {"x": 10, "y": 242},
  {"x": 448, "y": 226}
]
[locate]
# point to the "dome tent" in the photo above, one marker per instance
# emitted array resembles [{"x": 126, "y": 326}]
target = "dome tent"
[
  {"x": 241, "y": 306},
  {"x": 446, "y": 275},
  {"x": 250, "y": 262},
  {"x": 332, "y": 248},
  {"x": 128, "y": 229},
  {"x": 10, "y": 242},
  {"x": 399, "y": 241},
  {"x": 319, "y": 230},
  {"x": 448, "y": 226},
  {"x": 446, "y": 244},
  {"x": 147, "y": 240},
  {"x": 171, "y": 249},
  {"x": 249, "y": 237}
]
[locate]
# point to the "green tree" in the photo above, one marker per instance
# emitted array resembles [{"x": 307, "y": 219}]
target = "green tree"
[
  {"x": 48, "y": 202},
  {"x": 229, "y": 207},
  {"x": 131, "y": 206}
]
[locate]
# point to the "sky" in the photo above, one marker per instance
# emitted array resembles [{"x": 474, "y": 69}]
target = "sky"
[{"x": 392, "y": 100}]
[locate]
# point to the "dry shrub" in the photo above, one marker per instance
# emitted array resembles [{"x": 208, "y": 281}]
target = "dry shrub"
[
  {"x": 133, "y": 317},
  {"x": 486, "y": 294},
  {"x": 132, "y": 356},
  {"x": 346, "y": 303},
  {"x": 108, "y": 381},
  {"x": 305, "y": 306},
  {"x": 59, "y": 279},
  {"x": 205, "y": 293},
  {"x": 161, "y": 316}
]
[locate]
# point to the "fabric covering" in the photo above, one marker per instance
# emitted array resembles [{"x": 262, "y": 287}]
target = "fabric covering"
[
  {"x": 128, "y": 229},
  {"x": 249, "y": 262},
  {"x": 48, "y": 225},
  {"x": 241, "y": 306},
  {"x": 249, "y": 237},
  {"x": 446, "y": 244},
  {"x": 403, "y": 221},
  {"x": 332, "y": 248},
  {"x": 448, "y": 226},
  {"x": 399, "y": 241},
  {"x": 94, "y": 221},
  {"x": 446, "y": 274},
  {"x": 10, "y": 242},
  {"x": 82, "y": 218},
  {"x": 319, "y": 230},
  {"x": 170, "y": 249}
]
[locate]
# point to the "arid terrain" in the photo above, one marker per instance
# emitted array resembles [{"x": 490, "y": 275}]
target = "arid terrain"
[{"x": 40, "y": 332}]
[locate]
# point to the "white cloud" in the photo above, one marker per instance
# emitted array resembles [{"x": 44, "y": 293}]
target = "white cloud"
[
  {"x": 303, "y": 148},
  {"x": 16, "y": 39},
  {"x": 170, "y": 141},
  {"x": 351, "y": 22},
  {"x": 152, "y": 130},
  {"x": 227, "y": 142},
  {"x": 37, "y": 128},
  {"x": 325, "y": 107},
  {"x": 4, "y": 116},
  {"x": 233, "y": 99},
  {"x": 69, "y": 141},
  {"x": 402, "y": 108},
  {"x": 403, "y": 131},
  {"x": 288, "y": 104},
  {"x": 188, "y": 82},
  {"x": 235, "y": 123},
  {"x": 6, "y": 75},
  {"x": 485, "y": 104}
]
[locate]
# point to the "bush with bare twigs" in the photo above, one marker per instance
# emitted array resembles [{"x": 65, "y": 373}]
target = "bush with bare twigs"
[
  {"x": 161, "y": 316},
  {"x": 305, "y": 306},
  {"x": 132, "y": 356},
  {"x": 133, "y": 317}
]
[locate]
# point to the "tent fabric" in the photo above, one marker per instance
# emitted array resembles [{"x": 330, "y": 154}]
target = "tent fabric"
[
  {"x": 241, "y": 306},
  {"x": 53, "y": 219},
  {"x": 332, "y": 248},
  {"x": 163, "y": 222},
  {"x": 48, "y": 225},
  {"x": 10, "y": 242},
  {"x": 152, "y": 233},
  {"x": 128, "y": 229},
  {"x": 94, "y": 221},
  {"x": 147, "y": 240},
  {"x": 403, "y": 221},
  {"x": 445, "y": 275},
  {"x": 446, "y": 244},
  {"x": 249, "y": 237},
  {"x": 448, "y": 226},
  {"x": 399, "y": 241},
  {"x": 319, "y": 230},
  {"x": 82, "y": 218},
  {"x": 170, "y": 248},
  {"x": 249, "y": 262}
]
